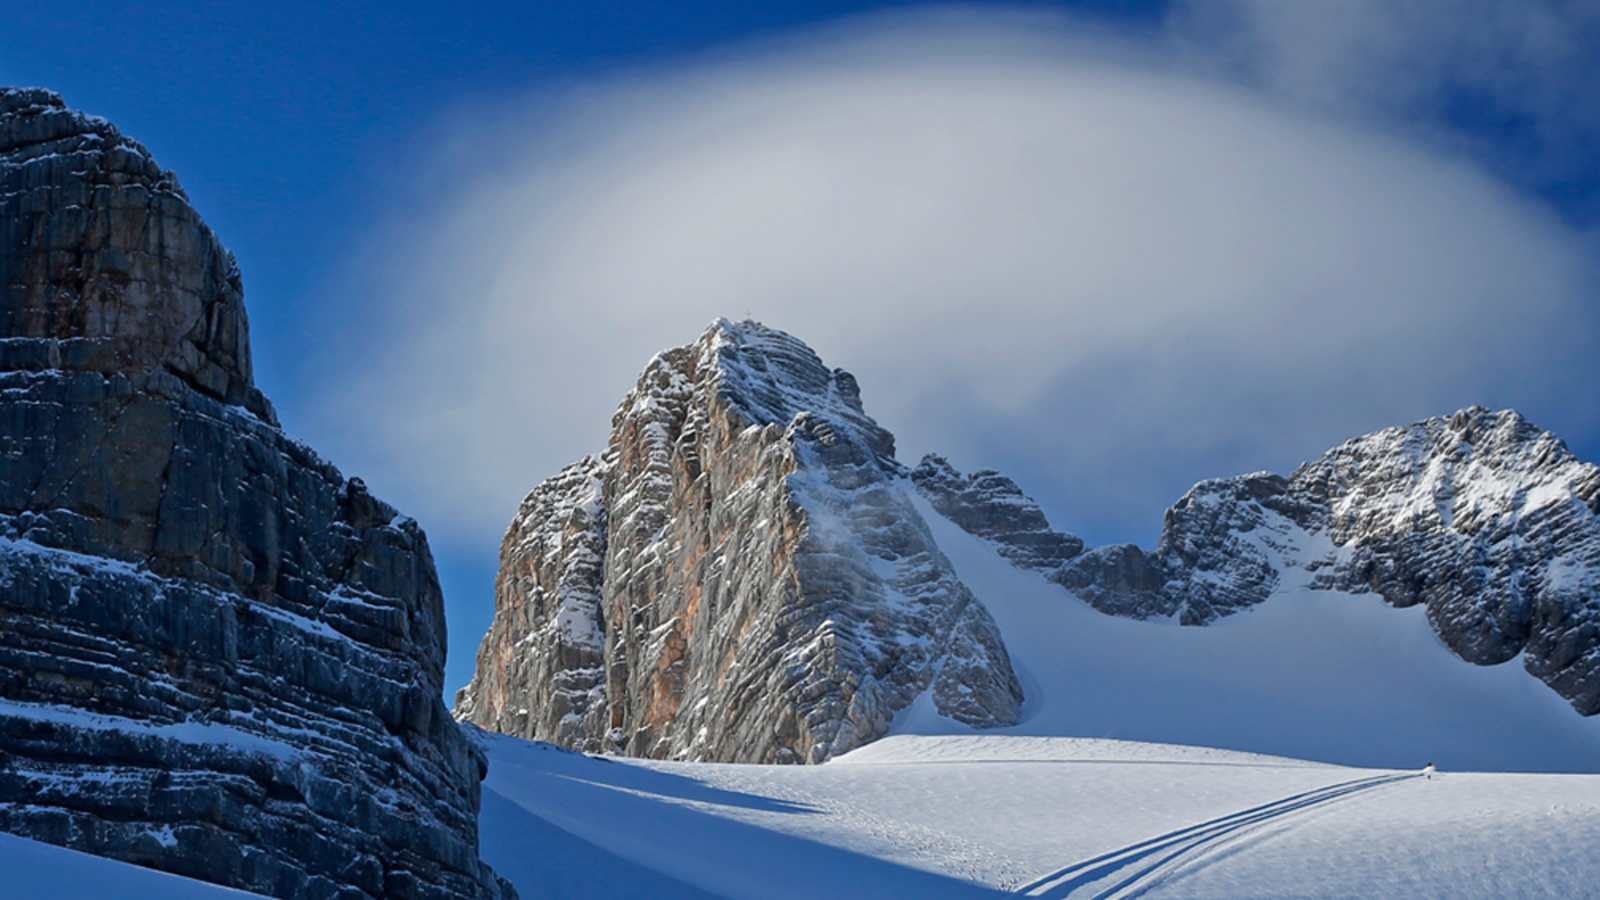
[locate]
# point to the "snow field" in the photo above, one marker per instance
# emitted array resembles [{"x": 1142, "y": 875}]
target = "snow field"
[{"x": 977, "y": 816}]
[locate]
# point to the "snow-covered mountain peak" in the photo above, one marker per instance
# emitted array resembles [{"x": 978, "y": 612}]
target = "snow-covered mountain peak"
[
  {"x": 1482, "y": 517},
  {"x": 766, "y": 587},
  {"x": 1470, "y": 472},
  {"x": 771, "y": 376}
]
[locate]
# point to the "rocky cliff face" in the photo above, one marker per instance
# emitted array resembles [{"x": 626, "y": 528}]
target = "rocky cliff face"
[
  {"x": 741, "y": 576},
  {"x": 218, "y": 656},
  {"x": 542, "y": 667},
  {"x": 992, "y": 506},
  {"x": 1487, "y": 520}
]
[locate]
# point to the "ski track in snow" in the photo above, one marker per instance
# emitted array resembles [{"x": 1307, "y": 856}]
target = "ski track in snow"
[{"x": 1187, "y": 848}]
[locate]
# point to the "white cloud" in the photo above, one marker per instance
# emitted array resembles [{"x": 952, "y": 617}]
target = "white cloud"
[
  {"x": 1035, "y": 246},
  {"x": 1525, "y": 71}
]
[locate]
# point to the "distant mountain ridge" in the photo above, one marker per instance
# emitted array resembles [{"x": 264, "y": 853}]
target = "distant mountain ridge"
[
  {"x": 745, "y": 484},
  {"x": 1482, "y": 517}
]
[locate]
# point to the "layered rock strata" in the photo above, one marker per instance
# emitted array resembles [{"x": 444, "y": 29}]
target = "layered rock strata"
[
  {"x": 768, "y": 591},
  {"x": 992, "y": 506},
  {"x": 218, "y": 656}
]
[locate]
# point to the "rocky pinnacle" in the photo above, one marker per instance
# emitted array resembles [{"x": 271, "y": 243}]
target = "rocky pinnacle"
[{"x": 741, "y": 576}]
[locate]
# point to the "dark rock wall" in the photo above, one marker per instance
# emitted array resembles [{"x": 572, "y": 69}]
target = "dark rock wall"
[{"x": 218, "y": 656}]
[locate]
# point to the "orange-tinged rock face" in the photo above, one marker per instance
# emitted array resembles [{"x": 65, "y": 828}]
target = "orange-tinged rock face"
[{"x": 769, "y": 592}]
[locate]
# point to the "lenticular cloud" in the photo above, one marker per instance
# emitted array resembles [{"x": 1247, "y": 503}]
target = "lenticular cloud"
[{"x": 1036, "y": 246}]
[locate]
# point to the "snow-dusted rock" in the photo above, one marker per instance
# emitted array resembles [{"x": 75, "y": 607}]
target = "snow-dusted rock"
[
  {"x": 549, "y": 626},
  {"x": 218, "y": 656},
  {"x": 1487, "y": 520},
  {"x": 1218, "y": 552},
  {"x": 1484, "y": 518},
  {"x": 769, "y": 591},
  {"x": 1220, "y": 549},
  {"x": 990, "y": 505}
]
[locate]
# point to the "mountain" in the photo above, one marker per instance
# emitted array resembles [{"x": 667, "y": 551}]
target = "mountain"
[
  {"x": 1482, "y": 518},
  {"x": 741, "y": 575},
  {"x": 219, "y": 657},
  {"x": 747, "y": 574}
]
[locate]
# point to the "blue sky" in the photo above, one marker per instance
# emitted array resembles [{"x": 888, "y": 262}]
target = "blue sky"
[{"x": 359, "y": 162}]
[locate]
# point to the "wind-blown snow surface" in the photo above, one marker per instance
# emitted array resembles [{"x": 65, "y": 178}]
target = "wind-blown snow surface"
[
  {"x": 34, "y": 869},
  {"x": 1311, "y": 674},
  {"x": 970, "y": 816}
]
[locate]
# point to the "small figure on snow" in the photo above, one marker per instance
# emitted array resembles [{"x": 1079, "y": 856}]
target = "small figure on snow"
[{"x": 1428, "y": 770}]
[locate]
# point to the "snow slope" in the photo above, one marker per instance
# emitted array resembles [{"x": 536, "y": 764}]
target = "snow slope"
[
  {"x": 1310, "y": 674},
  {"x": 34, "y": 869},
  {"x": 1144, "y": 764},
  {"x": 971, "y": 816}
]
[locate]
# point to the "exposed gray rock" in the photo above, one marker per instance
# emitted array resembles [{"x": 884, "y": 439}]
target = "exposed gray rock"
[
  {"x": 218, "y": 656},
  {"x": 769, "y": 592},
  {"x": 1219, "y": 552},
  {"x": 1484, "y": 518},
  {"x": 990, "y": 505},
  {"x": 1487, "y": 520},
  {"x": 549, "y": 625}
]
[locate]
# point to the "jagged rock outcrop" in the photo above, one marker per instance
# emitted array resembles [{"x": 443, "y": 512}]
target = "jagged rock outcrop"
[
  {"x": 769, "y": 592},
  {"x": 549, "y": 625},
  {"x": 1487, "y": 520},
  {"x": 990, "y": 505},
  {"x": 1220, "y": 551},
  {"x": 742, "y": 574},
  {"x": 1215, "y": 554},
  {"x": 218, "y": 656}
]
